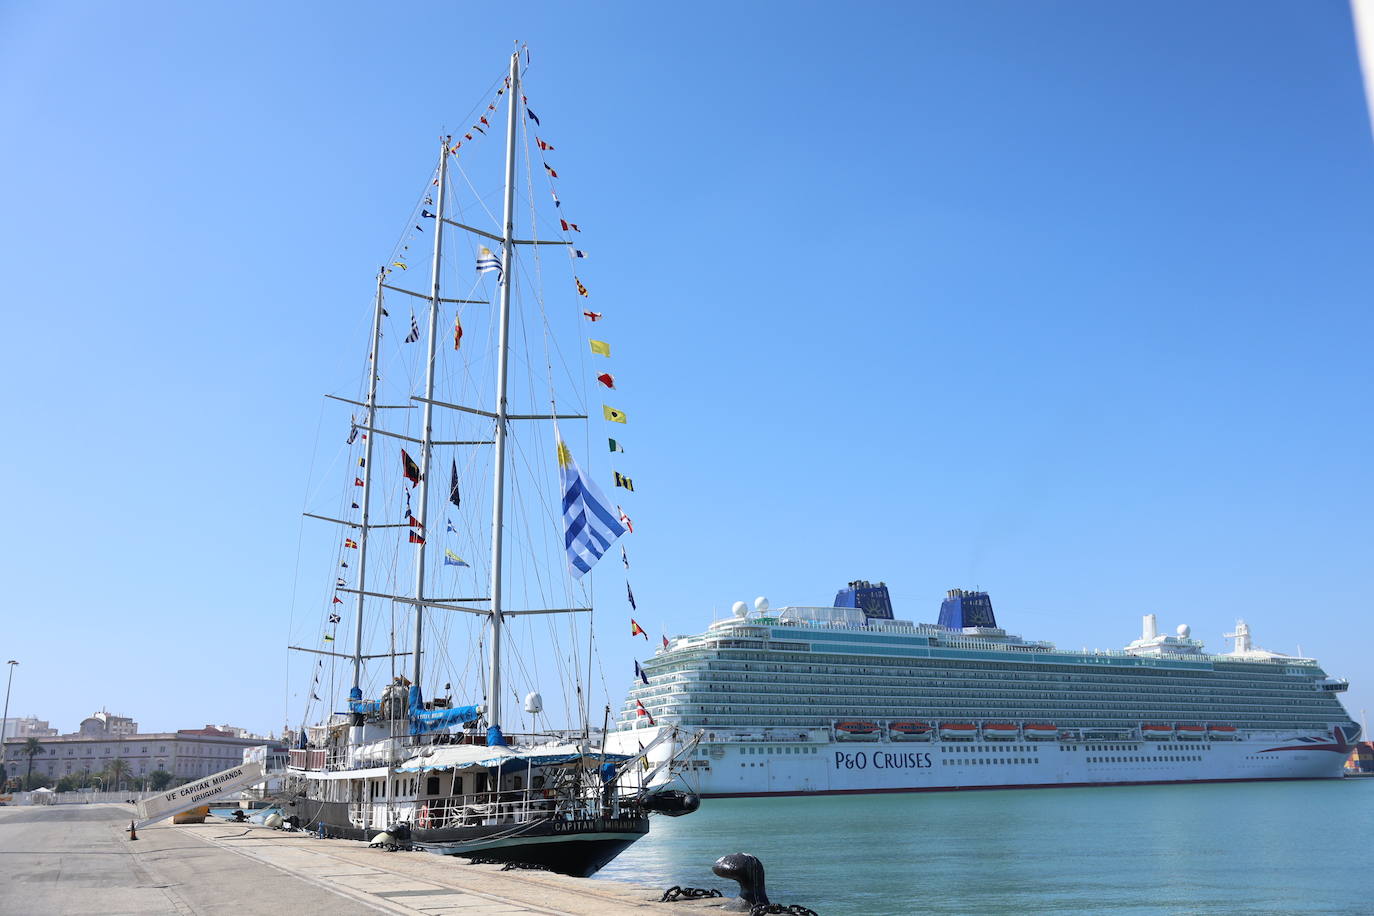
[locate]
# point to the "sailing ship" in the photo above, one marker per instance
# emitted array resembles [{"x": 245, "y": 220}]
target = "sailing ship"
[{"x": 449, "y": 777}]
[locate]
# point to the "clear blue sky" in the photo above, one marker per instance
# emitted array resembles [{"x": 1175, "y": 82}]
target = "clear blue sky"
[{"x": 1067, "y": 301}]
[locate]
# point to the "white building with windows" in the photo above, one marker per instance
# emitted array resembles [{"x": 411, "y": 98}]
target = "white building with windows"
[{"x": 186, "y": 754}]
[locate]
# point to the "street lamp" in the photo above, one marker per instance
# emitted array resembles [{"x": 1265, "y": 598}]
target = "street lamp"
[{"x": 5, "y": 719}]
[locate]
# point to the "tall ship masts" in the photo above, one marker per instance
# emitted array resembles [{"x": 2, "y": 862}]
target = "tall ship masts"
[{"x": 416, "y": 767}]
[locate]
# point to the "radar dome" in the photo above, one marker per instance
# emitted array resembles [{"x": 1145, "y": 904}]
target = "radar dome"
[
  {"x": 741, "y": 609},
  {"x": 760, "y": 604},
  {"x": 534, "y": 703},
  {"x": 1183, "y": 630}
]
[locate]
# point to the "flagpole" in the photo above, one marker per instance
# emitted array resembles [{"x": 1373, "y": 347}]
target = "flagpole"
[
  {"x": 357, "y": 692},
  {"x": 494, "y": 736},
  {"x": 427, "y": 432}
]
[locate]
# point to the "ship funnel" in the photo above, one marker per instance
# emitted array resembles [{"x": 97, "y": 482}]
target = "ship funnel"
[{"x": 1150, "y": 629}]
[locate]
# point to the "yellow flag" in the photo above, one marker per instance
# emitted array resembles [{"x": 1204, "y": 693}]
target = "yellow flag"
[
  {"x": 601, "y": 348},
  {"x": 612, "y": 414}
]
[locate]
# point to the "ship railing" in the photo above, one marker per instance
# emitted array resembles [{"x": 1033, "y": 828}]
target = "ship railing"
[{"x": 511, "y": 806}]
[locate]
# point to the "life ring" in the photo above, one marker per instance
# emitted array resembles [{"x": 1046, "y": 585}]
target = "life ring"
[{"x": 423, "y": 819}]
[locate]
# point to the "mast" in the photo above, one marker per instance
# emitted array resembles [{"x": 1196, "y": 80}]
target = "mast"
[
  {"x": 499, "y": 476},
  {"x": 370, "y": 423},
  {"x": 427, "y": 433}
]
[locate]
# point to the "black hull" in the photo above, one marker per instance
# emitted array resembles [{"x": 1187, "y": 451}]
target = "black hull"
[{"x": 578, "y": 848}]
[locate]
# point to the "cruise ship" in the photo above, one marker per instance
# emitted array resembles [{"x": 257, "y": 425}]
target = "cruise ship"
[{"x": 848, "y": 699}]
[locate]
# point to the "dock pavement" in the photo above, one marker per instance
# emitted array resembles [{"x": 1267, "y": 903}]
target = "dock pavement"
[{"x": 73, "y": 860}]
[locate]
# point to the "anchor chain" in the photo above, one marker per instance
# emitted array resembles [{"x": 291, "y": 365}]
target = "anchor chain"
[{"x": 676, "y": 892}]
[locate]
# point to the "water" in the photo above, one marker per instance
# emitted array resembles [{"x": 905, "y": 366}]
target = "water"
[{"x": 1253, "y": 848}]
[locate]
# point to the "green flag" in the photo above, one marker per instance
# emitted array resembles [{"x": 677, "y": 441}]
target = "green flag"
[{"x": 615, "y": 446}]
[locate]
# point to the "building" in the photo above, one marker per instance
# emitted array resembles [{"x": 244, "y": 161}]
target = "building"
[
  {"x": 102, "y": 724},
  {"x": 102, "y": 738},
  {"x": 28, "y": 727}
]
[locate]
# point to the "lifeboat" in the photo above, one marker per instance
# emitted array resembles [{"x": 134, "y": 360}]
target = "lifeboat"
[
  {"x": 1041, "y": 731},
  {"x": 999, "y": 730},
  {"x": 1157, "y": 732},
  {"x": 1191, "y": 732},
  {"x": 958, "y": 730},
  {"x": 909, "y": 731},
  {"x": 1222, "y": 731},
  {"x": 856, "y": 731}
]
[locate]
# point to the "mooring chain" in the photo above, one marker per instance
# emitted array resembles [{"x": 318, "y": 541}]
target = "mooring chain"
[
  {"x": 677, "y": 892},
  {"x": 795, "y": 909}
]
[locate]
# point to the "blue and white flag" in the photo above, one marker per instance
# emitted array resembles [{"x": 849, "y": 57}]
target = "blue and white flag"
[
  {"x": 487, "y": 262},
  {"x": 589, "y": 525},
  {"x": 639, "y": 673},
  {"x": 451, "y": 529}
]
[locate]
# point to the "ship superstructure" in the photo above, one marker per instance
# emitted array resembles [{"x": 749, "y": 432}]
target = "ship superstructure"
[{"x": 849, "y": 698}]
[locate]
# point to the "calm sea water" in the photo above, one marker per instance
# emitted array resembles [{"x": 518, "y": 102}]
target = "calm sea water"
[{"x": 1253, "y": 848}]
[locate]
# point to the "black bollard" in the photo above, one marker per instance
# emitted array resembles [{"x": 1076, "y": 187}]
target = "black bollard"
[
  {"x": 133, "y": 834},
  {"x": 748, "y": 871}
]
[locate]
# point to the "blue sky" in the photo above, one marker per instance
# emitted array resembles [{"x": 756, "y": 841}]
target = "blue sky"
[{"x": 1066, "y": 301}]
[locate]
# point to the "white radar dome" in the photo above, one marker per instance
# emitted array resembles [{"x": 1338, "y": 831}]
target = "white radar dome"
[
  {"x": 741, "y": 609},
  {"x": 760, "y": 604},
  {"x": 1184, "y": 630},
  {"x": 534, "y": 703}
]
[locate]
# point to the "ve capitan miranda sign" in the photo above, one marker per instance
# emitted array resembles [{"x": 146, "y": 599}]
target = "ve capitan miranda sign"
[{"x": 175, "y": 801}]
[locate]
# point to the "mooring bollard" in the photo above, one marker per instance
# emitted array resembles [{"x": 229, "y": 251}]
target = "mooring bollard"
[
  {"x": 133, "y": 834},
  {"x": 748, "y": 871}
]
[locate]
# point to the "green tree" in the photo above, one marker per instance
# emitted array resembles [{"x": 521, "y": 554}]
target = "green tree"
[
  {"x": 158, "y": 779},
  {"x": 32, "y": 748},
  {"x": 117, "y": 770}
]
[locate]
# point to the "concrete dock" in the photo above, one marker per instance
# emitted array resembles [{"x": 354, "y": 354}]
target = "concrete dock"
[{"x": 77, "y": 859}]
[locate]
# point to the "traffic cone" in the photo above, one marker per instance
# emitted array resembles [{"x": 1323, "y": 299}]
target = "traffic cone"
[{"x": 133, "y": 834}]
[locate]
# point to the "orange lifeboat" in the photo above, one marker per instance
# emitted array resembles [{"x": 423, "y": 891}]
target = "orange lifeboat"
[
  {"x": 855, "y": 730},
  {"x": 909, "y": 731}
]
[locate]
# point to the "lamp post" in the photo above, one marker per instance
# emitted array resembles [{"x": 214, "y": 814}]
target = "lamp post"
[{"x": 5, "y": 720}]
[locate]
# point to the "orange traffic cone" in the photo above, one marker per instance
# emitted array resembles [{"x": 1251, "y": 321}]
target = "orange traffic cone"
[{"x": 133, "y": 834}]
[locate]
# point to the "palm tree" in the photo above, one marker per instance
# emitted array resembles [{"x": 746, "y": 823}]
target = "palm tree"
[
  {"x": 118, "y": 769},
  {"x": 32, "y": 748}
]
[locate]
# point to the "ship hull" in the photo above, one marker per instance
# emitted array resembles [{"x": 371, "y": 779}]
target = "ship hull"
[
  {"x": 760, "y": 767},
  {"x": 570, "y": 847}
]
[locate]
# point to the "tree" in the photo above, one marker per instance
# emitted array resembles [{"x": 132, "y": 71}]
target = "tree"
[
  {"x": 159, "y": 779},
  {"x": 118, "y": 769},
  {"x": 32, "y": 748}
]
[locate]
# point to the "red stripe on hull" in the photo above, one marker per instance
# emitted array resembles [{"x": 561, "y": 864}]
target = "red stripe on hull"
[{"x": 1039, "y": 785}]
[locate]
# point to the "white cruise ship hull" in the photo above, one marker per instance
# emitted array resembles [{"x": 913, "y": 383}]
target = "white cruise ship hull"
[{"x": 761, "y": 767}]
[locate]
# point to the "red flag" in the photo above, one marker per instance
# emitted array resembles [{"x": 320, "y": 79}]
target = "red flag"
[
  {"x": 457, "y": 332},
  {"x": 416, "y": 538},
  {"x": 665, "y": 642},
  {"x": 641, "y": 711},
  {"x": 337, "y": 600},
  {"x": 542, "y": 144},
  {"x": 606, "y": 379},
  {"x": 625, "y": 520},
  {"x": 411, "y": 469},
  {"x": 349, "y": 542},
  {"x": 357, "y": 481},
  {"x": 636, "y": 629},
  {"x": 592, "y": 316},
  {"x": 567, "y": 225},
  {"x": 552, "y": 173},
  {"x": 484, "y": 120},
  {"x": 412, "y": 521}
]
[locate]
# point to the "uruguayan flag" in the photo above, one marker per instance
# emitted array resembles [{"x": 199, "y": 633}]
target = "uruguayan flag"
[
  {"x": 487, "y": 262},
  {"x": 589, "y": 525}
]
